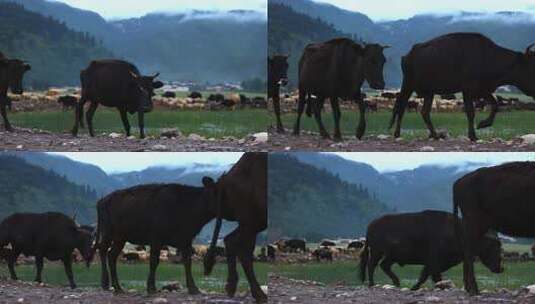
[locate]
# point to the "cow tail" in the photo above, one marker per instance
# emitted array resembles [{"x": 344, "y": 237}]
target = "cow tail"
[
  {"x": 209, "y": 258},
  {"x": 363, "y": 262},
  {"x": 458, "y": 222}
]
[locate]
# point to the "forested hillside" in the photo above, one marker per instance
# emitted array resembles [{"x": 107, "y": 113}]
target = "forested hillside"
[
  {"x": 56, "y": 53},
  {"x": 28, "y": 188},
  {"x": 312, "y": 203}
]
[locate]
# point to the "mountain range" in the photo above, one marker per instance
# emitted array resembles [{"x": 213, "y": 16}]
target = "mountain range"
[
  {"x": 203, "y": 46},
  {"x": 514, "y": 30}
]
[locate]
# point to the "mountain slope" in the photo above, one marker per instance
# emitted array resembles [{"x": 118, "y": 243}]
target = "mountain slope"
[
  {"x": 56, "y": 53},
  {"x": 307, "y": 202},
  {"x": 28, "y": 188}
]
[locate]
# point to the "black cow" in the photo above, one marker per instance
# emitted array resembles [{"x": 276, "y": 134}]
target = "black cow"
[
  {"x": 323, "y": 253},
  {"x": 154, "y": 215},
  {"x": 169, "y": 94},
  {"x": 277, "y": 77},
  {"x": 68, "y": 102},
  {"x": 292, "y": 245},
  {"x": 271, "y": 252},
  {"x": 11, "y": 74},
  {"x": 327, "y": 243},
  {"x": 242, "y": 197},
  {"x": 195, "y": 95},
  {"x": 389, "y": 95},
  {"x": 448, "y": 96},
  {"x": 118, "y": 84},
  {"x": 216, "y": 97},
  {"x": 433, "y": 68},
  {"x": 497, "y": 199},
  {"x": 356, "y": 244},
  {"x": 426, "y": 238},
  {"x": 53, "y": 236},
  {"x": 412, "y": 105},
  {"x": 337, "y": 69}
]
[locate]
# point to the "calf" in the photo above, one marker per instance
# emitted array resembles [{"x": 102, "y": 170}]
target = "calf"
[
  {"x": 195, "y": 95},
  {"x": 426, "y": 238},
  {"x": 154, "y": 215},
  {"x": 68, "y": 102},
  {"x": 11, "y": 73},
  {"x": 49, "y": 235},
  {"x": 323, "y": 253}
]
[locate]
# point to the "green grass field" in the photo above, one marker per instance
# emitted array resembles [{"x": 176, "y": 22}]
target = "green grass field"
[
  {"x": 134, "y": 276},
  {"x": 515, "y": 276},
  {"x": 215, "y": 124},
  {"x": 506, "y": 126}
]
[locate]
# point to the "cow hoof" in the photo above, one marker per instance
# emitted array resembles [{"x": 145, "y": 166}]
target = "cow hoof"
[
  {"x": 295, "y": 133},
  {"x": 261, "y": 298},
  {"x": 10, "y": 129},
  {"x": 230, "y": 288},
  {"x": 281, "y": 130},
  {"x": 118, "y": 291},
  {"x": 194, "y": 291},
  {"x": 152, "y": 290},
  {"x": 73, "y": 286}
]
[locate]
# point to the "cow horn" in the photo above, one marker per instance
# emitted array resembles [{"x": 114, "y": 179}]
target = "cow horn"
[
  {"x": 528, "y": 49},
  {"x": 155, "y": 75},
  {"x": 134, "y": 75}
]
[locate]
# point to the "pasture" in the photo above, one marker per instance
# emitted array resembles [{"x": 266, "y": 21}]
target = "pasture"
[
  {"x": 507, "y": 125},
  {"x": 134, "y": 276},
  {"x": 216, "y": 124}
]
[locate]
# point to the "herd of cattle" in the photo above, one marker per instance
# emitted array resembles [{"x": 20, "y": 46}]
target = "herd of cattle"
[
  {"x": 158, "y": 216},
  {"x": 337, "y": 69}
]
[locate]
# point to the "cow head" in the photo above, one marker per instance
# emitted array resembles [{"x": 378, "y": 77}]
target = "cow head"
[
  {"x": 524, "y": 72},
  {"x": 374, "y": 61},
  {"x": 15, "y": 70},
  {"x": 490, "y": 252},
  {"x": 278, "y": 68},
  {"x": 84, "y": 243},
  {"x": 146, "y": 86}
]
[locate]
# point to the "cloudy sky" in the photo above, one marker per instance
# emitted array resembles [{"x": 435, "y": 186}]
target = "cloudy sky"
[
  {"x": 113, "y": 9},
  {"x": 123, "y": 162},
  {"x": 392, "y": 161},
  {"x": 388, "y": 9}
]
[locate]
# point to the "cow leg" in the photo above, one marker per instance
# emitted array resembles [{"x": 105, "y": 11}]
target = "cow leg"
[
  {"x": 141, "y": 122},
  {"x": 247, "y": 241},
  {"x": 470, "y": 115},
  {"x": 39, "y": 267},
  {"x": 67, "y": 263},
  {"x": 231, "y": 243},
  {"x": 154, "y": 261},
  {"x": 190, "y": 283},
  {"x": 103, "y": 252},
  {"x": 89, "y": 117},
  {"x": 423, "y": 277},
  {"x": 300, "y": 109},
  {"x": 3, "y": 111},
  {"x": 362, "y": 118},
  {"x": 386, "y": 265},
  {"x": 437, "y": 277},
  {"x": 11, "y": 260},
  {"x": 493, "y": 110},
  {"x": 469, "y": 241},
  {"x": 277, "y": 109},
  {"x": 336, "y": 114},
  {"x": 426, "y": 115},
  {"x": 114, "y": 253},
  {"x": 399, "y": 108},
  {"x": 373, "y": 260},
  {"x": 317, "y": 115},
  {"x": 126, "y": 123}
]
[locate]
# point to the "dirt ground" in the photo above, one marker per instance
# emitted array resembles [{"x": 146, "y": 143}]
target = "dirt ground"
[
  {"x": 38, "y": 140},
  {"x": 26, "y": 292},
  {"x": 310, "y": 141},
  {"x": 284, "y": 290}
]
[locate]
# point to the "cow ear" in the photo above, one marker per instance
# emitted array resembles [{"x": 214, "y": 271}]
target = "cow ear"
[
  {"x": 208, "y": 181},
  {"x": 157, "y": 84}
]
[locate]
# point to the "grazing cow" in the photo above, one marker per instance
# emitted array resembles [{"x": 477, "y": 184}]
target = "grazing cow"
[
  {"x": 195, "y": 95},
  {"x": 216, "y": 97},
  {"x": 154, "y": 215},
  {"x": 448, "y": 96},
  {"x": 497, "y": 199},
  {"x": 277, "y": 77},
  {"x": 327, "y": 243},
  {"x": 323, "y": 253},
  {"x": 242, "y": 197},
  {"x": 337, "y": 69},
  {"x": 356, "y": 245},
  {"x": 425, "y": 238},
  {"x": 259, "y": 102},
  {"x": 292, "y": 245},
  {"x": 271, "y": 252},
  {"x": 68, "y": 102},
  {"x": 118, "y": 84},
  {"x": 11, "y": 74},
  {"x": 169, "y": 94},
  {"x": 433, "y": 68},
  {"x": 412, "y": 105},
  {"x": 389, "y": 95},
  {"x": 53, "y": 236}
]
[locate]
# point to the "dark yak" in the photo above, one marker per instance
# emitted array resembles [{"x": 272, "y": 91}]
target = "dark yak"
[
  {"x": 277, "y": 77},
  {"x": 154, "y": 215},
  {"x": 496, "y": 199},
  {"x": 462, "y": 62},
  {"x": 337, "y": 69},
  {"x": 323, "y": 253},
  {"x": 426, "y": 238},
  {"x": 68, "y": 102},
  {"x": 327, "y": 243},
  {"x": 11, "y": 74},
  {"x": 292, "y": 245},
  {"x": 242, "y": 198},
  {"x": 117, "y": 84},
  {"x": 52, "y": 235}
]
